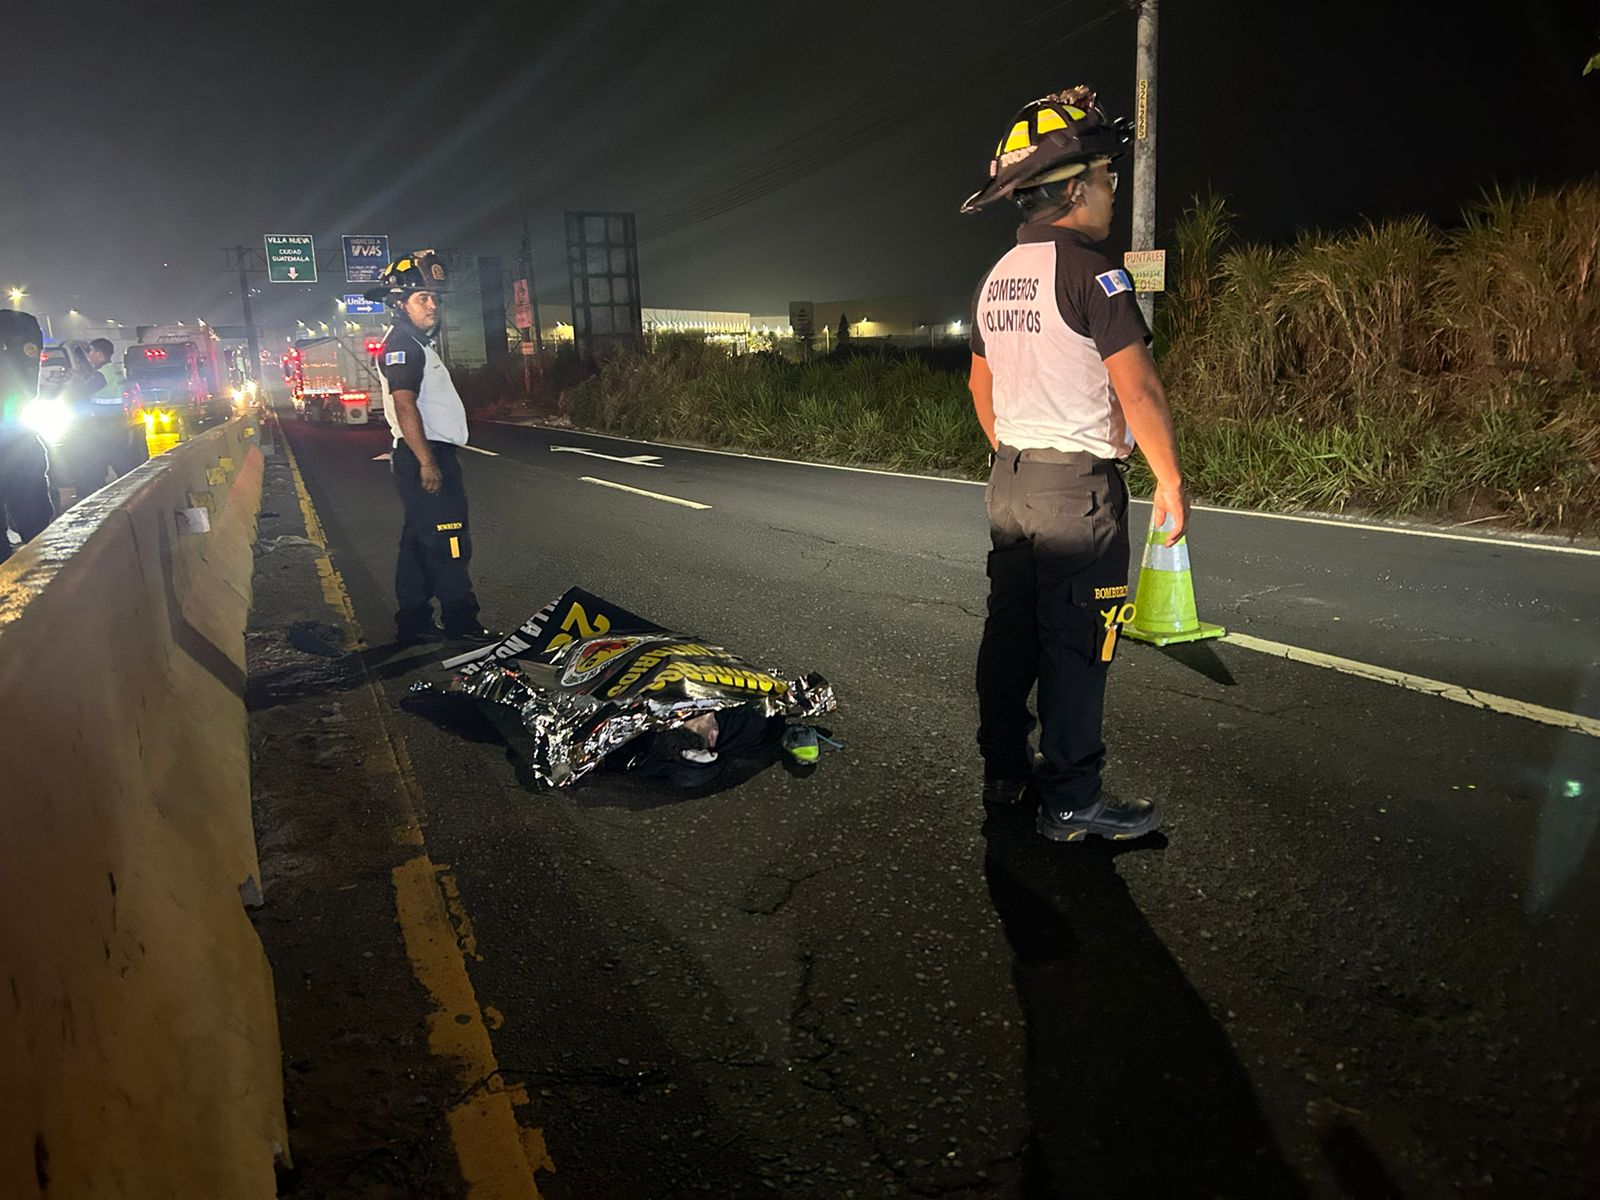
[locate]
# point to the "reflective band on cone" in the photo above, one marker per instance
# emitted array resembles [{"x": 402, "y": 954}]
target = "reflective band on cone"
[{"x": 1164, "y": 611}]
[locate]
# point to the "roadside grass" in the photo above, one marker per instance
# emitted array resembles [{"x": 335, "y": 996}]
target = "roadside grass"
[
  {"x": 1393, "y": 369},
  {"x": 901, "y": 414}
]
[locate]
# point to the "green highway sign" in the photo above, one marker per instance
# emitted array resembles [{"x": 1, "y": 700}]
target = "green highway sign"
[{"x": 291, "y": 258}]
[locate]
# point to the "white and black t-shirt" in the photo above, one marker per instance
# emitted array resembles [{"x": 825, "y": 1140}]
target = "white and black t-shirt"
[
  {"x": 1046, "y": 317},
  {"x": 409, "y": 363}
]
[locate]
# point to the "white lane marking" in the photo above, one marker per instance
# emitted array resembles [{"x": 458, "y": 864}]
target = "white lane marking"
[
  {"x": 481, "y": 450},
  {"x": 1419, "y": 683},
  {"x": 380, "y": 457},
  {"x": 638, "y": 460},
  {"x": 792, "y": 462},
  {"x": 1511, "y": 541},
  {"x": 622, "y": 487}
]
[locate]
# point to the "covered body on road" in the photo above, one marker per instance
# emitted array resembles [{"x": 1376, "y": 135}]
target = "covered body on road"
[{"x": 586, "y": 677}]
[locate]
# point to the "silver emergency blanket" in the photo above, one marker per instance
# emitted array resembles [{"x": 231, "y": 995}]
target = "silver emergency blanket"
[{"x": 585, "y": 676}]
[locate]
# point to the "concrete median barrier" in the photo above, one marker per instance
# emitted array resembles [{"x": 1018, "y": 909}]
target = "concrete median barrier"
[{"x": 138, "y": 1034}]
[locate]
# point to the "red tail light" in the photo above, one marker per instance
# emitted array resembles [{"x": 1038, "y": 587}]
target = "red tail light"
[
  {"x": 374, "y": 345},
  {"x": 352, "y": 397},
  {"x": 154, "y": 353}
]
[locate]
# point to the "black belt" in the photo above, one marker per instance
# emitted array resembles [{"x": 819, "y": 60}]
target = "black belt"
[{"x": 1048, "y": 454}]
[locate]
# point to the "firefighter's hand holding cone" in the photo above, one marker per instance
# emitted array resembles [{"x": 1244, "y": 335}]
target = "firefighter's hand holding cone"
[{"x": 1171, "y": 500}]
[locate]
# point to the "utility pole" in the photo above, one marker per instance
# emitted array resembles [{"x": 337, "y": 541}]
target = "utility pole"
[
  {"x": 249, "y": 319},
  {"x": 533, "y": 297},
  {"x": 1144, "y": 145}
]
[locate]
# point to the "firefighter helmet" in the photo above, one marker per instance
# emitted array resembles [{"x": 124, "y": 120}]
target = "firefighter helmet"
[
  {"x": 1052, "y": 139},
  {"x": 419, "y": 271}
]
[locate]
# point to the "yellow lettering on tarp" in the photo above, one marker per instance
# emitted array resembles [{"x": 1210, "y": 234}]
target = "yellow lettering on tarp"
[
  {"x": 576, "y": 616},
  {"x": 678, "y": 670}
]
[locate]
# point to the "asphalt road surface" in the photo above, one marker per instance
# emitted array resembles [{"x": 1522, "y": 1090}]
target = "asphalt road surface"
[{"x": 1361, "y": 960}]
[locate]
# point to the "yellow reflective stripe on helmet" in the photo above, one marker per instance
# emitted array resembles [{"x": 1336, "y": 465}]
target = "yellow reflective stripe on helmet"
[
  {"x": 1049, "y": 119},
  {"x": 1017, "y": 139}
]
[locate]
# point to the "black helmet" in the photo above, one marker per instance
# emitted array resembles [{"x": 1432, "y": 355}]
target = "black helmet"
[
  {"x": 1052, "y": 139},
  {"x": 420, "y": 271}
]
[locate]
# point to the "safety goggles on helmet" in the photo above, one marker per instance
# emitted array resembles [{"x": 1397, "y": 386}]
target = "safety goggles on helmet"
[
  {"x": 1054, "y": 138},
  {"x": 420, "y": 271}
]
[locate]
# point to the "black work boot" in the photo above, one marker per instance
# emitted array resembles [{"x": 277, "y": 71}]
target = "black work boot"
[{"x": 1108, "y": 817}]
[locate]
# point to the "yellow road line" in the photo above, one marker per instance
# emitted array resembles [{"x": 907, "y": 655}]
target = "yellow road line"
[
  {"x": 622, "y": 487},
  {"x": 490, "y": 1147},
  {"x": 497, "y": 1156},
  {"x": 1471, "y": 697},
  {"x": 333, "y": 589}
]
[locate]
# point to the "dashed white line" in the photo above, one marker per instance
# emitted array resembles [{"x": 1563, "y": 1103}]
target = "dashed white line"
[
  {"x": 1471, "y": 697},
  {"x": 1509, "y": 542},
  {"x": 635, "y": 460},
  {"x": 622, "y": 487},
  {"x": 481, "y": 450}
]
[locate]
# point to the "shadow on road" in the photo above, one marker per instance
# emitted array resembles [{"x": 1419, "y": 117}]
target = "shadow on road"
[
  {"x": 318, "y": 671},
  {"x": 1132, "y": 1087},
  {"x": 1202, "y": 659}
]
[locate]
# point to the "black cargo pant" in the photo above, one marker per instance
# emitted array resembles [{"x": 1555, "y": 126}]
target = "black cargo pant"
[
  {"x": 1058, "y": 581},
  {"x": 435, "y": 545},
  {"x": 24, "y": 486}
]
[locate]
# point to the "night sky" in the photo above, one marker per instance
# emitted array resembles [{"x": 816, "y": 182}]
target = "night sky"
[{"x": 772, "y": 152}]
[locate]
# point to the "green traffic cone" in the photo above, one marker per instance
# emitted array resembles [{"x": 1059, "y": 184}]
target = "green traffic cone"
[{"x": 1164, "y": 611}]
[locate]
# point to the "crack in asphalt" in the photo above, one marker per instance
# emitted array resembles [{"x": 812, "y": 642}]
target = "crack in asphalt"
[
  {"x": 816, "y": 537},
  {"x": 577, "y": 1077},
  {"x": 1301, "y": 704},
  {"x": 918, "y": 601},
  {"x": 792, "y": 882},
  {"x": 1256, "y": 595}
]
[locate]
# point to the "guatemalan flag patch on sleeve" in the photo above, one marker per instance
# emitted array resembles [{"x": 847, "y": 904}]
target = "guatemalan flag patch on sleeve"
[{"x": 1112, "y": 282}]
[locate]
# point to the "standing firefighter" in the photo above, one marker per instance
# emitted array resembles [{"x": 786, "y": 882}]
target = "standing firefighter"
[
  {"x": 428, "y": 422},
  {"x": 1064, "y": 386},
  {"x": 24, "y": 462}
]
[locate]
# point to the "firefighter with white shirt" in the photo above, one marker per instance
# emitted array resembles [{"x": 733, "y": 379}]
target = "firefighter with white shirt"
[
  {"x": 1064, "y": 386},
  {"x": 429, "y": 424}
]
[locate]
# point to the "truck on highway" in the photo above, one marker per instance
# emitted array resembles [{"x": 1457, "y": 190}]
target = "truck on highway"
[
  {"x": 176, "y": 375},
  {"x": 332, "y": 379}
]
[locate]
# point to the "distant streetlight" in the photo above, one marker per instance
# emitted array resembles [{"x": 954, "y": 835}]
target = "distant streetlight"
[{"x": 16, "y": 295}]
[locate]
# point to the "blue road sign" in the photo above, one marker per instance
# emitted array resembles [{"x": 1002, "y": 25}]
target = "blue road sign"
[
  {"x": 360, "y": 306},
  {"x": 365, "y": 257}
]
